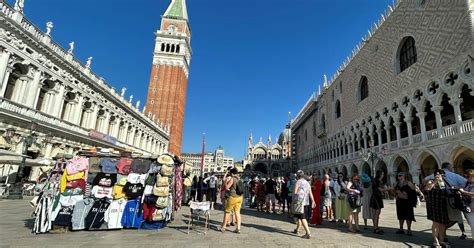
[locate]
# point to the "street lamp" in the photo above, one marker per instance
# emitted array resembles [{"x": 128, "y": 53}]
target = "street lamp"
[{"x": 17, "y": 190}]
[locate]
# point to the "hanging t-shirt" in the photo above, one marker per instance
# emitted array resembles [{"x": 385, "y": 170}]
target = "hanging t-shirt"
[
  {"x": 81, "y": 209},
  {"x": 133, "y": 190},
  {"x": 121, "y": 179},
  {"x": 75, "y": 165},
  {"x": 102, "y": 192},
  {"x": 64, "y": 216},
  {"x": 118, "y": 192},
  {"x": 95, "y": 217},
  {"x": 113, "y": 215},
  {"x": 137, "y": 178},
  {"x": 76, "y": 183},
  {"x": 94, "y": 165},
  {"x": 108, "y": 165},
  {"x": 124, "y": 166},
  {"x": 132, "y": 216},
  {"x": 66, "y": 201},
  {"x": 105, "y": 179},
  {"x": 141, "y": 166}
]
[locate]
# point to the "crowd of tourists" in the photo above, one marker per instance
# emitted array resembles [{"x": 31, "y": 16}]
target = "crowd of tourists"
[{"x": 313, "y": 200}]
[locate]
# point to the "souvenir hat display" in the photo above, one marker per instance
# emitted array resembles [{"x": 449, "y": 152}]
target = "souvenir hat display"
[
  {"x": 165, "y": 159},
  {"x": 105, "y": 190}
]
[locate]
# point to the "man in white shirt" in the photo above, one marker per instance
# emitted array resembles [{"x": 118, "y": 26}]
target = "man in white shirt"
[{"x": 211, "y": 181}]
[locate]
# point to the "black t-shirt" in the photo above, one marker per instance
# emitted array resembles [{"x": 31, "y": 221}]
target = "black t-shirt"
[
  {"x": 270, "y": 186},
  {"x": 95, "y": 217},
  {"x": 141, "y": 166},
  {"x": 104, "y": 179},
  {"x": 133, "y": 190},
  {"x": 64, "y": 216},
  {"x": 284, "y": 188}
]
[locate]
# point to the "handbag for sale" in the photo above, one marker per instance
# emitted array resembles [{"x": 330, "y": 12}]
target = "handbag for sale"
[
  {"x": 158, "y": 215},
  {"x": 162, "y": 181},
  {"x": 162, "y": 202},
  {"x": 166, "y": 170},
  {"x": 161, "y": 191}
]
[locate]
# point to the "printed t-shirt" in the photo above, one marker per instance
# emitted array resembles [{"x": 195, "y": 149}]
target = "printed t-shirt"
[{"x": 102, "y": 192}]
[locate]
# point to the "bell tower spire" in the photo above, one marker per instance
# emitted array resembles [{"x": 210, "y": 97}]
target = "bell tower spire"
[{"x": 170, "y": 70}]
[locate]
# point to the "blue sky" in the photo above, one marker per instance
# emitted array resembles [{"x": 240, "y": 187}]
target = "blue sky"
[{"x": 253, "y": 61}]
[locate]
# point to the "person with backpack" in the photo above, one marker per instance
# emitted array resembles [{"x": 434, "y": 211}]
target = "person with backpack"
[
  {"x": 405, "y": 202},
  {"x": 234, "y": 189}
]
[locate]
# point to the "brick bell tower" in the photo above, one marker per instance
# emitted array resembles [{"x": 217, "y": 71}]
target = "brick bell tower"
[{"x": 169, "y": 74}]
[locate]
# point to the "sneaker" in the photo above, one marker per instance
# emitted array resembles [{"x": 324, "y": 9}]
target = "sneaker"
[{"x": 463, "y": 236}]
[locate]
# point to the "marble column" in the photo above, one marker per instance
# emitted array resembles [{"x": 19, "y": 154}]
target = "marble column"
[
  {"x": 397, "y": 130},
  {"x": 379, "y": 134},
  {"x": 421, "y": 116},
  {"x": 4, "y": 57},
  {"x": 408, "y": 120},
  {"x": 59, "y": 102},
  {"x": 34, "y": 90},
  {"x": 456, "y": 103},
  {"x": 439, "y": 122},
  {"x": 93, "y": 117},
  {"x": 78, "y": 110},
  {"x": 106, "y": 123}
]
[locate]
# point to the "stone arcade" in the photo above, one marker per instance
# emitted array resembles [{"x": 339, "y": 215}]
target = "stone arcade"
[
  {"x": 42, "y": 83},
  {"x": 403, "y": 100}
]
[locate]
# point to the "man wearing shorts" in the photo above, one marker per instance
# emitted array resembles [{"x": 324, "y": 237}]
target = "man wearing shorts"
[{"x": 270, "y": 189}]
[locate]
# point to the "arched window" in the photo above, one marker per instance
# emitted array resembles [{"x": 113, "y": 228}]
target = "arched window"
[
  {"x": 363, "y": 88},
  {"x": 172, "y": 48},
  {"x": 162, "y": 47},
  {"x": 338, "y": 109},
  {"x": 177, "y": 48},
  {"x": 168, "y": 47},
  {"x": 407, "y": 54},
  {"x": 322, "y": 125}
]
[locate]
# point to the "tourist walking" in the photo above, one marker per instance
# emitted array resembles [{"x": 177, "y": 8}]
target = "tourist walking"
[
  {"x": 436, "y": 207},
  {"x": 233, "y": 201},
  {"x": 469, "y": 192},
  {"x": 327, "y": 202},
  {"x": 200, "y": 192},
  {"x": 405, "y": 193},
  {"x": 376, "y": 200},
  {"x": 301, "y": 197},
  {"x": 291, "y": 189},
  {"x": 270, "y": 190},
  {"x": 341, "y": 198},
  {"x": 284, "y": 195},
  {"x": 354, "y": 189},
  {"x": 367, "y": 213},
  {"x": 260, "y": 198},
  {"x": 211, "y": 181},
  {"x": 194, "y": 187},
  {"x": 316, "y": 189}
]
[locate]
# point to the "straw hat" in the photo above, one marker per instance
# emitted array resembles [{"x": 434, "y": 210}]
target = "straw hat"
[{"x": 165, "y": 159}]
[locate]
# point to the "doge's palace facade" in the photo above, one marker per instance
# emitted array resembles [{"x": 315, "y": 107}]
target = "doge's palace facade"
[
  {"x": 402, "y": 101},
  {"x": 44, "y": 84}
]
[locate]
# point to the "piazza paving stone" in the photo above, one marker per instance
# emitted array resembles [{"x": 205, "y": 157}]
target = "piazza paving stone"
[{"x": 258, "y": 230}]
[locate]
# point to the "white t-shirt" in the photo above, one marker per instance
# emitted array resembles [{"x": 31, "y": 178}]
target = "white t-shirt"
[
  {"x": 136, "y": 178},
  {"x": 212, "y": 181},
  {"x": 101, "y": 192},
  {"x": 113, "y": 215},
  {"x": 303, "y": 190}
]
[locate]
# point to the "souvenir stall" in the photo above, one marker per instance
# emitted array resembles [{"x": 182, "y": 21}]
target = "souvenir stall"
[{"x": 106, "y": 190}]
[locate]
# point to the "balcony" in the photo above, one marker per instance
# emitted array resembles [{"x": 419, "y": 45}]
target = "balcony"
[
  {"x": 432, "y": 135},
  {"x": 21, "y": 113}
]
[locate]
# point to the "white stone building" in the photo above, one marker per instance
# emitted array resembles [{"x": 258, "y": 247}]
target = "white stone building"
[
  {"x": 214, "y": 162},
  {"x": 41, "y": 83},
  {"x": 404, "y": 94},
  {"x": 270, "y": 159}
]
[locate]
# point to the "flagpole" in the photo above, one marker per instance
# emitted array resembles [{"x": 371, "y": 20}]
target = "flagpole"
[{"x": 202, "y": 155}]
